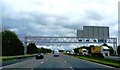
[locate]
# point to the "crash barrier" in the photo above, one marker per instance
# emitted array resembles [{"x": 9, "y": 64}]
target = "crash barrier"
[{"x": 113, "y": 58}]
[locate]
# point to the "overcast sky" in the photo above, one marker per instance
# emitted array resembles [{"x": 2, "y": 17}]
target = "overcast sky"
[{"x": 58, "y": 17}]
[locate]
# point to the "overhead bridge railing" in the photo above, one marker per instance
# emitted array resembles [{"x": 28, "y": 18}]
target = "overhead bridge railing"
[{"x": 68, "y": 40}]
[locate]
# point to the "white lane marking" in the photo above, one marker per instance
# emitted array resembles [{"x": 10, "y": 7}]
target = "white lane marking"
[
  {"x": 65, "y": 62},
  {"x": 0, "y": 68},
  {"x": 41, "y": 62},
  {"x": 31, "y": 69},
  {"x": 71, "y": 68}
]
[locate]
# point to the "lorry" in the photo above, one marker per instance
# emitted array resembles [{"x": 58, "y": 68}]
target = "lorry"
[
  {"x": 72, "y": 52},
  {"x": 83, "y": 51},
  {"x": 101, "y": 51},
  {"x": 56, "y": 53}
]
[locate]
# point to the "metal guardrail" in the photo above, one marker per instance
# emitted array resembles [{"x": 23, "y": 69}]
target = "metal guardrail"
[{"x": 113, "y": 58}]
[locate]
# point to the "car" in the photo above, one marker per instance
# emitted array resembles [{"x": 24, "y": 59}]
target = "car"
[{"x": 39, "y": 56}]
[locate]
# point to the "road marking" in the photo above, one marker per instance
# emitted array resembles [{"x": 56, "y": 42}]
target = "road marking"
[
  {"x": 41, "y": 62},
  {"x": 65, "y": 61},
  {"x": 0, "y": 68},
  {"x": 71, "y": 68},
  {"x": 31, "y": 69}
]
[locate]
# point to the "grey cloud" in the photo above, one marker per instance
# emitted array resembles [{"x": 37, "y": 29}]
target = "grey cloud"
[
  {"x": 76, "y": 26},
  {"x": 39, "y": 26},
  {"x": 94, "y": 15}
]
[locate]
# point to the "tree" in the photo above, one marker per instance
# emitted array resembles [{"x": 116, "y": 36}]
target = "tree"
[
  {"x": 76, "y": 50},
  {"x": 118, "y": 49},
  {"x": 31, "y": 48},
  {"x": 61, "y": 50},
  {"x": 48, "y": 50},
  {"x": 44, "y": 50},
  {"x": 11, "y": 45}
]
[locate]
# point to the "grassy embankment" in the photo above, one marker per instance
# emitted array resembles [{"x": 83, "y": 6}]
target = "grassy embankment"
[
  {"x": 13, "y": 58},
  {"x": 99, "y": 60}
]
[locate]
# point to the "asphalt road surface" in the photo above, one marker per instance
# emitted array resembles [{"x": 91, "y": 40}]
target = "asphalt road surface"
[{"x": 63, "y": 62}]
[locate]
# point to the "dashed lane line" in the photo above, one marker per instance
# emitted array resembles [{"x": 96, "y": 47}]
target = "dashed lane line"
[
  {"x": 42, "y": 62},
  {"x": 71, "y": 68},
  {"x": 65, "y": 62}
]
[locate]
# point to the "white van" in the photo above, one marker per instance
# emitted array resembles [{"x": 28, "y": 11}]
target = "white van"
[{"x": 56, "y": 53}]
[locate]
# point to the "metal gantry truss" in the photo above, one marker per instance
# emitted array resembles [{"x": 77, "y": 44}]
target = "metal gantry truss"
[
  {"x": 43, "y": 39},
  {"x": 36, "y": 39}
]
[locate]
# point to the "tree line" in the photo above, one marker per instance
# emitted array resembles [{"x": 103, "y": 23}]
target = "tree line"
[
  {"x": 31, "y": 48},
  {"x": 11, "y": 45}
]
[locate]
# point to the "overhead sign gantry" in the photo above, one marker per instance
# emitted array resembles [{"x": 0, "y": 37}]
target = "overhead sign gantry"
[{"x": 90, "y": 34}]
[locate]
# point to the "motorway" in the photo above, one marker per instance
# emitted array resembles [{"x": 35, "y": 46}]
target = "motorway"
[{"x": 63, "y": 62}]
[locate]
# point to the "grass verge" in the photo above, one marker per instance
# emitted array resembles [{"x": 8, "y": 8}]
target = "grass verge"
[
  {"x": 13, "y": 58},
  {"x": 109, "y": 62}
]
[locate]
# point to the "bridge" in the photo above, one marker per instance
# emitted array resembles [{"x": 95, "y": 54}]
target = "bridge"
[{"x": 45, "y": 39}]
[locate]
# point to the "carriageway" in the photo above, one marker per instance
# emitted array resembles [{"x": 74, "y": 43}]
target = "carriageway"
[{"x": 54, "y": 40}]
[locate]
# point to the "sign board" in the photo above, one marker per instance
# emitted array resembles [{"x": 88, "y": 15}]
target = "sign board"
[{"x": 93, "y": 32}]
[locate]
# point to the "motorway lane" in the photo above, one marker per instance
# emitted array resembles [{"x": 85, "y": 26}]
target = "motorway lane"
[{"x": 63, "y": 61}]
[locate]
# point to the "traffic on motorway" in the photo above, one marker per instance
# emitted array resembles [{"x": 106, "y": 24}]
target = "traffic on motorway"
[{"x": 48, "y": 61}]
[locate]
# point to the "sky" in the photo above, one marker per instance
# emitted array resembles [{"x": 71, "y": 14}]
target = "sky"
[{"x": 57, "y": 17}]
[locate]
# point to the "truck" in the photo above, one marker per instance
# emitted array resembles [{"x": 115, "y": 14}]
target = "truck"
[
  {"x": 72, "y": 52},
  {"x": 83, "y": 51},
  {"x": 101, "y": 51},
  {"x": 56, "y": 53}
]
